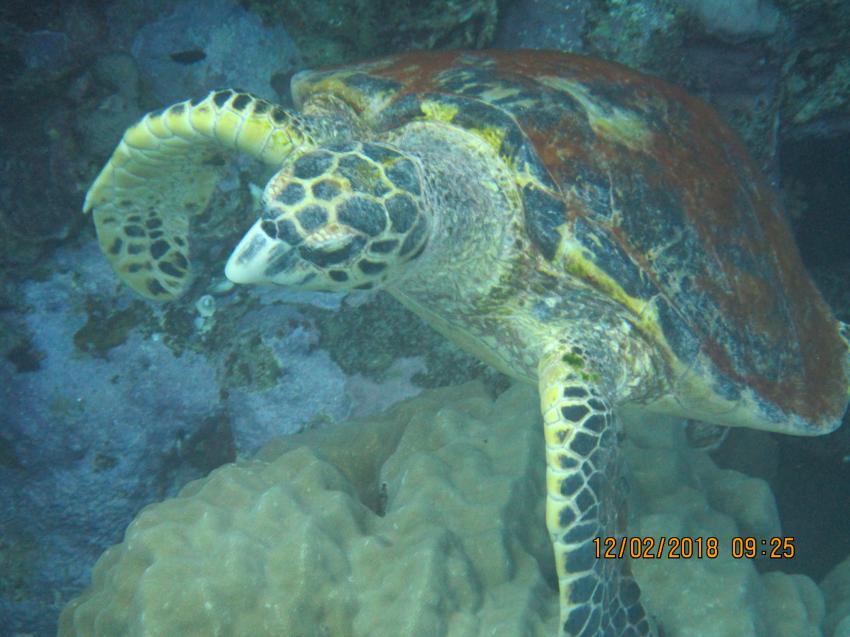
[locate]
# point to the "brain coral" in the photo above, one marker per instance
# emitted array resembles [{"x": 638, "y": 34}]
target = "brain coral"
[
  {"x": 415, "y": 523},
  {"x": 427, "y": 520}
]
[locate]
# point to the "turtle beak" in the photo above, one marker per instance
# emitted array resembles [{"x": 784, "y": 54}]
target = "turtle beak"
[{"x": 256, "y": 253}]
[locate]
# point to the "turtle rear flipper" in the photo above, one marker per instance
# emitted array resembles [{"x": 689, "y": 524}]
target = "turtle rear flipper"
[{"x": 164, "y": 171}]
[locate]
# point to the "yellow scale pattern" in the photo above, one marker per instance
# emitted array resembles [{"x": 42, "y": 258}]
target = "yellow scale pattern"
[
  {"x": 164, "y": 171},
  {"x": 583, "y": 496}
]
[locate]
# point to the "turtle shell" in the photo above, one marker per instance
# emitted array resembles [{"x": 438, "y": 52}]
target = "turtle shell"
[{"x": 662, "y": 208}]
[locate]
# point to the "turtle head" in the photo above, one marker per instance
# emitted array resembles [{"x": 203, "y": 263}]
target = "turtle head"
[{"x": 337, "y": 217}]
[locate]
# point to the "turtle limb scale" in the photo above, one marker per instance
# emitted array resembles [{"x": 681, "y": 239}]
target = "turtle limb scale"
[
  {"x": 584, "y": 494},
  {"x": 164, "y": 171}
]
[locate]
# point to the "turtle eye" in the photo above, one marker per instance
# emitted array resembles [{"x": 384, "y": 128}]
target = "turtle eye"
[{"x": 333, "y": 255}]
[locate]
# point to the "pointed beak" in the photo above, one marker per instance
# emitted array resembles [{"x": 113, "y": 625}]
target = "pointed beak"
[{"x": 248, "y": 262}]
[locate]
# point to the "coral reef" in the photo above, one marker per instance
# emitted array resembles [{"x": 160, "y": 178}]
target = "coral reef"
[{"x": 427, "y": 520}]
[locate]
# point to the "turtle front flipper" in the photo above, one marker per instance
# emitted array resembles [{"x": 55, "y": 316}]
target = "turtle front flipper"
[
  {"x": 583, "y": 498},
  {"x": 164, "y": 171}
]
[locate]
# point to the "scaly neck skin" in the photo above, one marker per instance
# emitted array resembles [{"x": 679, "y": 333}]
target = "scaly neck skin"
[
  {"x": 472, "y": 219},
  {"x": 464, "y": 282}
]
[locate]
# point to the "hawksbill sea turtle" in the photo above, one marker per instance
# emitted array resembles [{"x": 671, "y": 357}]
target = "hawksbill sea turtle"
[{"x": 578, "y": 225}]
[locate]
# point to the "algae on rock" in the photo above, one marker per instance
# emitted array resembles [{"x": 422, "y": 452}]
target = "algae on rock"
[{"x": 342, "y": 30}]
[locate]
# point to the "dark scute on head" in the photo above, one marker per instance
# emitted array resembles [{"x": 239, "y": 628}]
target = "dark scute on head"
[
  {"x": 291, "y": 194},
  {"x": 325, "y": 189},
  {"x": 324, "y": 258},
  {"x": 153, "y": 223},
  {"x": 180, "y": 261},
  {"x": 115, "y": 248},
  {"x": 415, "y": 237},
  {"x": 338, "y": 275},
  {"x": 311, "y": 217},
  {"x": 269, "y": 228},
  {"x": 134, "y": 231},
  {"x": 261, "y": 106},
  {"x": 312, "y": 164},
  {"x": 159, "y": 248},
  {"x": 287, "y": 231},
  {"x": 543, "y": 214},
  {"x": 403, "y": 175},
  {"x": 363, "y": 175},
  {"x": 403, "y": 212},
  {"x": 362, "y": 214},
  {"x": 135, "y": 248}
]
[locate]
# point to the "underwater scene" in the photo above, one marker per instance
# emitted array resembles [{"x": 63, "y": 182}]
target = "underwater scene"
[{"x": 358, "y": 318}]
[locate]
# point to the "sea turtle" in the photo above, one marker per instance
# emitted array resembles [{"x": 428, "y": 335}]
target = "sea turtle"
[{"x": 578, "y": 225}]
